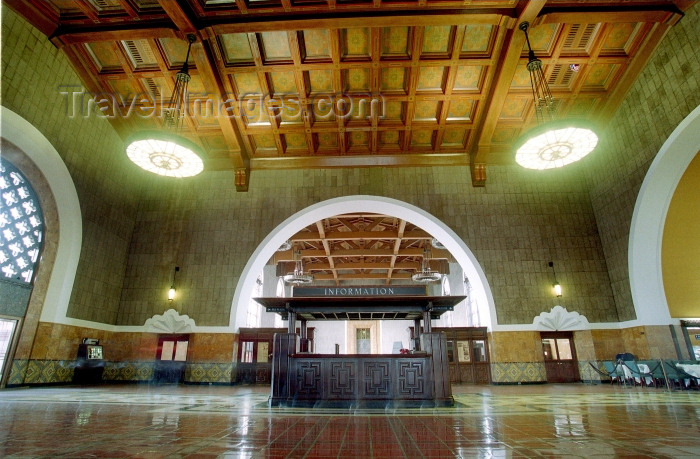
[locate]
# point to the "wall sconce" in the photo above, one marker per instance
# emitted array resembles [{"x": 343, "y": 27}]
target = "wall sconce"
[
  {"x": 171, "y": 292},
  {"x": 556, "y": 286}
]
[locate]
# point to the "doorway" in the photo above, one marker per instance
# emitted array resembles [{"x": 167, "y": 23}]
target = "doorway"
[
  {"x": 560, "y": 357},
  {"x": 8, "y": 327},
  {"x": 363, "y": 337},
  {"x": 171, "y": 358},
  {"x": 467, "y": 354}
]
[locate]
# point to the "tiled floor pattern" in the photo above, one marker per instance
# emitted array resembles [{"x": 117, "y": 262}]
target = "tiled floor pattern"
[{"x": 234, "y": 422}]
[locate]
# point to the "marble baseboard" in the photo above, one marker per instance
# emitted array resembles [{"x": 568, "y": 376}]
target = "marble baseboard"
[{"x": 518, "y": 372}]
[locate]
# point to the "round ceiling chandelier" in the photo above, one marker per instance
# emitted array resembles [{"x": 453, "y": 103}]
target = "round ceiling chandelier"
[
  {"x": 426, "y": 275},
  {"x": 286, "y": 245},
  {"x": 552, "y": 143},
  {"x": 165, "y": 154},
  {"x": 298, "y": 277},
  {"x": 555, "y": 145}
]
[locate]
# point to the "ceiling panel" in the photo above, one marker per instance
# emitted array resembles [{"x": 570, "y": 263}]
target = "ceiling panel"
[{"x": 322, "y": 80}]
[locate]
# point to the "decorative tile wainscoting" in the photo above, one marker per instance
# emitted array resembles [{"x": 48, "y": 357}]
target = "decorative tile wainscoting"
[
  {"x": 210, "y": 373},
  {"x": 128, "y": 371},
  {"x": 37, "y": 372},
  {"x": 40, "y": 372},
  {"x": 518, "y": 372},
  {"x": 588, "y": 374}
]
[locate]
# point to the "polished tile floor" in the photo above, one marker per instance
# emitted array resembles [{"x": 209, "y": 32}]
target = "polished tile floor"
[{"x": 144, "y": 421}]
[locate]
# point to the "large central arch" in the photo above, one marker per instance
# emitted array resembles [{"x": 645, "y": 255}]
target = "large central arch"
[
  {"x": 649, "y": 218},
  {"x": 360, "y": 203}
]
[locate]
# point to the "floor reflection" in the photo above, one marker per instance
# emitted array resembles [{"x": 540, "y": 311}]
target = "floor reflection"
[{"x": 235, "y": 422}]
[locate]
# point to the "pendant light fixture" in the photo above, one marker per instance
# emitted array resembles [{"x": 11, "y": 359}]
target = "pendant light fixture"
[
  {"x": 553, "y": 143},
  {"x": 171, "y": 290},
  {"x": 556, "y": 287},
  {"x": 298, "y": 277},
  {"x": 166, "y": 152},
  {"x": 426, "y": 275}
]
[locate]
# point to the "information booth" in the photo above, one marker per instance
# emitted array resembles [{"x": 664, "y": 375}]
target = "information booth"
[{"x": 363, "y": 380}]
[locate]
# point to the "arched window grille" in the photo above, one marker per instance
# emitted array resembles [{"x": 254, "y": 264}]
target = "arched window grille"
[
  {"x": 254, "y": 308},
  {"x": 21, "y": 226},
  {"x": 473, "y": 316},
  {"x": 446, "y": 318},
  {"x": 280, "y": 294}
]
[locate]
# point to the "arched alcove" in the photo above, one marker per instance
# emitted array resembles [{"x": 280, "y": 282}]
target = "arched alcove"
[
  {"x": 360, "y": 203},
  {"x": 649, "y": 218}
]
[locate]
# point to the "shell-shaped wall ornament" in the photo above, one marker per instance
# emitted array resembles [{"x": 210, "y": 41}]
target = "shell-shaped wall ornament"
[
  {"x": 169, "y": 322},
  {"x": 560, "y": 319}
]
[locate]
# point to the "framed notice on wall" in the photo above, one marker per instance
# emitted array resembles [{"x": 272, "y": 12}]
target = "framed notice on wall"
[{"x": 463, "y": 351}]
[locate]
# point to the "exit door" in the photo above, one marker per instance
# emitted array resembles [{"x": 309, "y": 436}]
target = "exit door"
[{"x": 560, "y": 357}]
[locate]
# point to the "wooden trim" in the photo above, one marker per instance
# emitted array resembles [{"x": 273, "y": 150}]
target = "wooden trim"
[{"x": 424, "y": 18}]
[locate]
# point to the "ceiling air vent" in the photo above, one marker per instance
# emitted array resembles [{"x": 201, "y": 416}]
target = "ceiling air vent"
[
  {"x": 580, "y": 38},
  {"x": 140, "y": 54}
]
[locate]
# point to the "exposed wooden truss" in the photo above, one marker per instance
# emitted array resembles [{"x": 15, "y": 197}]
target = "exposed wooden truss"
[
  {"x": 368, "y": 247},
  {"x": 353, "y": 83}
]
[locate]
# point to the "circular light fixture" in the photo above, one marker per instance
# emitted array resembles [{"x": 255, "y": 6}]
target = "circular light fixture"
[
  {"x": 298, "y": 278},
  {"x": 163, "y": 154},
  {"x": 426, "y": 276},
  {"x": 555, "y": 145},
  {"x": 437, "y": 244},
  {"x": 286, "y": 245}
]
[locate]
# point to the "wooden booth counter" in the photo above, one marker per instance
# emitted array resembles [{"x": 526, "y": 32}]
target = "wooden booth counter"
[{"x": 368, "y": 380}]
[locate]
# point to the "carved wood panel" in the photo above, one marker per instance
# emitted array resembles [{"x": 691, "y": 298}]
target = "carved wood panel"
[
  {"x": 358, "y": 378},
  {"x": 376, "y": 380},
  {"x": 343, "y": 380}
]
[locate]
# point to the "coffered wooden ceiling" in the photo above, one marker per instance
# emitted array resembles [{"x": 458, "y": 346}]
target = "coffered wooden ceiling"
[
  {"x": 369, "y": 248},
  {"x": 447, "y": 78}
]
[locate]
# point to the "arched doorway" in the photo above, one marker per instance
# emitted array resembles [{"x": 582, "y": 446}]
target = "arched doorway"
[{"x": 361, "y": 203}]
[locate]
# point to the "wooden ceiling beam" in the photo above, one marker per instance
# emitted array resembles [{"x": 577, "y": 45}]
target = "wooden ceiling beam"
[
  {"x": 318, "y": 161},
  {"x": 205, "y": 63},
  {"x": 505, "y": 70},
  {"x": 326, "y": 247},
  {"x": 595, "y": 14},
  {"x": 60, "y": 39},
  {"x": 415, "y": 265},
  {"x": 93, "y": 86},
  {"x": 36, "y": 15},
  {"x": 288, "y": 255},
  {"x": 358, "y": 235},
  {"x": 366, "y": 19},
  {"x": 361, "y": 276},
  {"x": 180, "y": 18}
]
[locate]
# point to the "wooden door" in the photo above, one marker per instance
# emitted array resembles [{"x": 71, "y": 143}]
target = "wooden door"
[
  {"x": 254, "y": 361},
  {"x": 171, "y": 358},
  {"x": 560, "y": 357}
]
